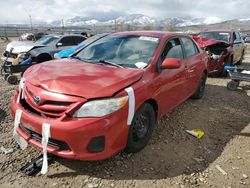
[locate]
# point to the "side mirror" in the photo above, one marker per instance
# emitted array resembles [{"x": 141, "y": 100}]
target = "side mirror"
[
  {"x": 59, "y": 44},
  {"x": 171, "y": 63}
]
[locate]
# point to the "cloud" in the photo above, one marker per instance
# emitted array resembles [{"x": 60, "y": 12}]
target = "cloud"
[{"x": 16, "y": 11}]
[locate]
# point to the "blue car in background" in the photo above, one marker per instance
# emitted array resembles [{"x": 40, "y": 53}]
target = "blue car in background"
[{"x": 68, "y": 52}]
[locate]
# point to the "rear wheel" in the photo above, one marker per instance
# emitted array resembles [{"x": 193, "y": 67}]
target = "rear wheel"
[
  {"x": 199, "y": 93},
  {"x": 141, "y": 128},
  {"x": 233, "y": 85}
]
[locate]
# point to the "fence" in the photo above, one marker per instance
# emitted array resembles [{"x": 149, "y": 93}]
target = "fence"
[{"x": 15, "y": 31}]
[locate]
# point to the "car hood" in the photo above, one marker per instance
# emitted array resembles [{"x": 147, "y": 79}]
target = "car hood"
[
  {"x": 21, "y": 46},
  {"x": 74, "y": 77},
  {"x": 205, "y": 42}
]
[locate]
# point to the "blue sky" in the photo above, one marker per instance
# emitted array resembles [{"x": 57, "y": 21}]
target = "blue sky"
[{"x": 16, "y": 11}]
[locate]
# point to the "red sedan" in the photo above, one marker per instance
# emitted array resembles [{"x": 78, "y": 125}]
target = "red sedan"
[{"x": 108, "y": 97}]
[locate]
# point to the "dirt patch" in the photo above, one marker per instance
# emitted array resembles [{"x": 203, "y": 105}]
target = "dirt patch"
[{"x": 172, "y": 159}]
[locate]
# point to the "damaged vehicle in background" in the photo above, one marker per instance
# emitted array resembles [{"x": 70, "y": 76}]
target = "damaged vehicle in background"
[
  {"x": 109, "y": 96},
  {"x": 68, "y": 52},
  {"x": 42, "y": 50},
  {"x": 223, "y": 47},
  {"x": 16, "y": 51},
  {"x": 47, "y": 52}
]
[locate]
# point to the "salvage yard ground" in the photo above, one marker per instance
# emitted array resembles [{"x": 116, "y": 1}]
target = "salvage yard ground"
[{"x": 172, "y": 159}]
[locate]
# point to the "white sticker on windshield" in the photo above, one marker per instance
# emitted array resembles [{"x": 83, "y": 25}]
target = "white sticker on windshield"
[
  {"x": 152, "y": 39},
  {"x": 141, "y": 65}
]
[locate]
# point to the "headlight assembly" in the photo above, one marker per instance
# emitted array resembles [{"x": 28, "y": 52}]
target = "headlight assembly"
[{"x": 99, "y": 108}]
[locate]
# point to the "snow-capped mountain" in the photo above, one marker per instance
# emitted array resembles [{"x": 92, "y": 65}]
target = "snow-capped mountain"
[
  {"x": 138, "y": 19},
  {"x": 182, "y": 22}
]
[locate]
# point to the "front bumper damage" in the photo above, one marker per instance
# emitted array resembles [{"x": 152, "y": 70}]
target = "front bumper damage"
[{"x": 73, "y": 138}]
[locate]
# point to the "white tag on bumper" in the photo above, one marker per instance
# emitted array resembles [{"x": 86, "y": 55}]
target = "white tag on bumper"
[
  {"x": 21, "y": 93},
  {"x": 131, "y": 109},
  {"x": 20, "y": 140},
  {"x": 45, "y": 139}
]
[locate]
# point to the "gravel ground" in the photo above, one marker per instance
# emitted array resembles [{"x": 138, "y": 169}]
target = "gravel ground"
[{"x": 172, "y": 158}]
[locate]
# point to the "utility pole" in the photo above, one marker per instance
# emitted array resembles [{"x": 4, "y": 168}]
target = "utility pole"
[
  {"x": 62, "y": 26},
  {"x": 31, "y": 25}
]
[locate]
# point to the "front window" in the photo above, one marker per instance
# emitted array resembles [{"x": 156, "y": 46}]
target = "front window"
[
  {"x": 124, "y": 50},
  {"x": 46, "y": 40},
  {"x": 221, "y": 36}
]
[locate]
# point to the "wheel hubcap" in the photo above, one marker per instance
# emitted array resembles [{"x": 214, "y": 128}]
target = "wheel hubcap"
[{"x": 140, "y": 127}]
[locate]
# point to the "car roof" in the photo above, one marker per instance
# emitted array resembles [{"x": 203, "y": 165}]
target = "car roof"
[
  {"x": 159, "y": 34},
  {"x": 59, "y": 36},
  {"x": 215, "y": 31}
]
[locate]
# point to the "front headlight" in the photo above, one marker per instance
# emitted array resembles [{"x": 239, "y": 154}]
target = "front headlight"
[
  {"x": 99, "y": 108},
  {"x": 22, "y": 55}
]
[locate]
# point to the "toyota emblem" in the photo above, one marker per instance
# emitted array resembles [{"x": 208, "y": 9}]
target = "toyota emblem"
[{"x": 37, "y": 100}]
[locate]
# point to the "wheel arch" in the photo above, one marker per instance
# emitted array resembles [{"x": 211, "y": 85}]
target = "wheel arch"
[
  {"x": 154, "y": 104},
  {"x": 43, "y": 57}
]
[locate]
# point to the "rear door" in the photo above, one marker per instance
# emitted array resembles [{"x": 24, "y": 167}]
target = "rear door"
[
  {"x": 192, "y": 61},
  {"x": 237, "y": 47}
]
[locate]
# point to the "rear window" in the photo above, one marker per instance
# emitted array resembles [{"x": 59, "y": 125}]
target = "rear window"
[
  {"x": 189, "y": 46},
  {"x": 221, "y": 36}
]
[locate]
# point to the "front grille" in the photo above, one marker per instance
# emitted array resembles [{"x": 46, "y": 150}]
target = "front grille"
[
  {"x": 47, "y": 108},
  {"x": 52, "y": 142}
]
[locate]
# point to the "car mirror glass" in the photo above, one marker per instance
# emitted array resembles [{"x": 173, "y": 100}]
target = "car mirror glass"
[{"x": 59, "y": 44}]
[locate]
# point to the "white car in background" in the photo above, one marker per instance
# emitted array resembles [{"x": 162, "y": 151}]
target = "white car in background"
[{"x": 20, "y": 48}]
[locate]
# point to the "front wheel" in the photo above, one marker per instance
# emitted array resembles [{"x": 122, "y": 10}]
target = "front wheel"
[
  {"x": 141, "y": 128},
  {"x": 201, "y": 88},
  {"x": 233, "y": 85}
]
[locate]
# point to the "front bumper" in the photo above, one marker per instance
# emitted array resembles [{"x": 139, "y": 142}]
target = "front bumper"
[{"x": 77, "y": 134}]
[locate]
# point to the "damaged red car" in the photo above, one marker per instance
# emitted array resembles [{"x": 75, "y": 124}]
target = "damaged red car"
[
  {"x": 223, "y": 48},
  {"x": 108, "y": 97}
]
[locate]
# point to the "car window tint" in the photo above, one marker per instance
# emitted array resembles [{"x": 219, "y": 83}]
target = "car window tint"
[
  {"x": 78, "y": 40},
  {"x": 189, "y": 47},
  {"x": 238, "y": 37},
  {"x": 71, "y": 40},
  {"x": 66, "y": 41},
  {"x": 172, "y": 50}
]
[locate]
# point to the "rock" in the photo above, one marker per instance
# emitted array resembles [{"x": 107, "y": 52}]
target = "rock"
[
  {"x": 244, "y": 176},
  {"x": 202, "y": 179},
  {"x": 90, "y": 185},
  {"x": 112, "y": 185}
]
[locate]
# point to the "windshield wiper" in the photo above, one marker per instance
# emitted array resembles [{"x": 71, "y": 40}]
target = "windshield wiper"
[
  {"x": 75, "y": 57},
  {"x": 110, "y": 63},
  {"x": 81, "y": 59}
]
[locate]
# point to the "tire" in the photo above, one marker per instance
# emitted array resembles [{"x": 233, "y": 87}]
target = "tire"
[
  {"x": 199, "y": 93},
  {"x": 228, "y": 62},
  {"x": 12, "y": 79},
  {"x": 233, "y": 85},
  {"x": 141, "y": 128}
]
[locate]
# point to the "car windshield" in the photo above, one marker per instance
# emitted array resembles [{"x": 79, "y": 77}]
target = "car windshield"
[
  {"x": 222, "y": 36},
  {"x": 92, "y": 39},
  {"x": 124, "y": 50},
  {"x": 46, "y": 40}
]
